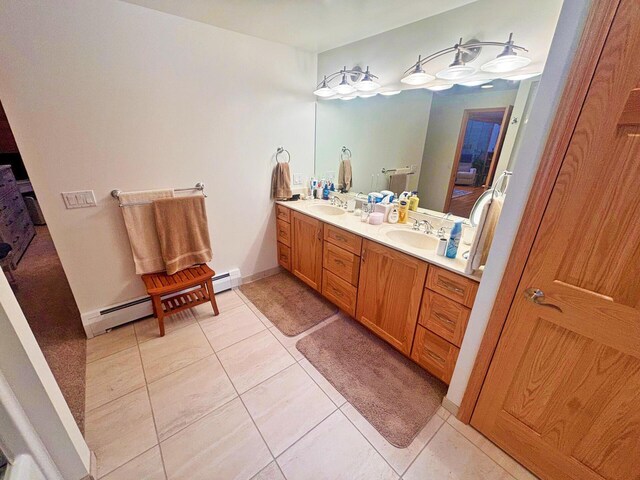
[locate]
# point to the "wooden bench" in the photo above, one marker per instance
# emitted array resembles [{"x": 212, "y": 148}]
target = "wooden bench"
[{"x": 161, "y": 285}]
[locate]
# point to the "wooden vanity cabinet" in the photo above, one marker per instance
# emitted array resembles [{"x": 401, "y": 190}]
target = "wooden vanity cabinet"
[
  {"x": 389, "y": 293},
  {"x": 420, "y": 309},
  {"x": 306, "y": 249}
]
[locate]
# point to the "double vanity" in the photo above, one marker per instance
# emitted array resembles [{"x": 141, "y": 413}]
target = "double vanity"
[{"x": 388, "y": 277}]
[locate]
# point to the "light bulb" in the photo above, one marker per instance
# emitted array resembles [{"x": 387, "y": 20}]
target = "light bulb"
[
  {"x": 417, "y": 76},
  {"x": 323, "y": 90},
  {"x": 456, "y": 72},
  {"x": 367, "y": 95},
  {"x": 367, "y": 83},
  {"x": 344, "y": 88},
  {"x": 475, "y": 83},
  {"x": 505, "y": 63},
  {"x": 388, "y": 93},
  {"x": 348, "y": 97},
  {"x": 440, "y": 87}
]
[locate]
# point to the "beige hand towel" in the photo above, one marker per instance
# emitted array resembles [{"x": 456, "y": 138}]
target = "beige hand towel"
[
  {"x": 183, "y": 232},
  {"x": 281, "y": 182},
  {"x": 141, "y": 229},
  {"x": 484, "y": 235},
  {"x": 398, "y": 182},
  {"x": 345, "y": 182}
]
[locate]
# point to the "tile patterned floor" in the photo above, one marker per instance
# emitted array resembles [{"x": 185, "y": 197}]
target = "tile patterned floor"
[{"x": 230, "y": 397}]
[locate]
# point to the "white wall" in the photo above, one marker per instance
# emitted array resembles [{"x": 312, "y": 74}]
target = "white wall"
[
  {"x": 381, "y": 132},
  {"x": 570, "y": 27},
  {"x": 390, "y": 53},
  {"x": 35, "y": 421},
  {"x": 442, "y": 140},
  {"x": 103, "y": 94}
]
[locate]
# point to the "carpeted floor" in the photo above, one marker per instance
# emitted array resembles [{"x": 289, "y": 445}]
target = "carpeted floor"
[
  {"x": 394, "y": 394},
  {"x": 44, "y": 294},
  {"x": 288, "y": 303}
]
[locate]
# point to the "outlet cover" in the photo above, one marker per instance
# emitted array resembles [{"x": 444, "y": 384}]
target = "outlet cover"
[
  {"x": 79, "y": 199},
  {"x": 298, "y": 178}
]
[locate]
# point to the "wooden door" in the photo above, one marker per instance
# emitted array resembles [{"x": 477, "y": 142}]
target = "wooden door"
[
  {"x": 389, "y": 293},
  {"x": 306, "y": 251},
  {"x": 562, "y": 394}
]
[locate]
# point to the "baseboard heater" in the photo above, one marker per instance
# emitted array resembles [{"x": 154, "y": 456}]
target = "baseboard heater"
[{"x": 99, "y": 321}]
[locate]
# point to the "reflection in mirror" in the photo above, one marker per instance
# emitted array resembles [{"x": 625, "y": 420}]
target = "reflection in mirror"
[
  {"x": 3, "y": 464},
  {"x": 448, "y": 146}
]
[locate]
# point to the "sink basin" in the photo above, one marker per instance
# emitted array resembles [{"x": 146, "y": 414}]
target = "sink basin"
[
  {"x": 326, "y": 209},
  {"x": 413, "y": 239}
]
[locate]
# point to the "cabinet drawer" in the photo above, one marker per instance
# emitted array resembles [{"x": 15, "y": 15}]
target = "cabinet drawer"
[
  {"x": 340, "y": 292},
  {"x": 283, "y": 213},
  {"x": 284, "y": 256},
  {"x": 456, "y": 287},
  {"x": 433, "y": 353},
  {"x": 349, "y": 241},
  {"x": 342, "y": 263},
  {"x": 443, "y": 317},
  {"x": 283, "y": 232}
]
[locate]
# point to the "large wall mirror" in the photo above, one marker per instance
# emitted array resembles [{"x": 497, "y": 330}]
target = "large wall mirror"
[{"x": 449, "y": 146}]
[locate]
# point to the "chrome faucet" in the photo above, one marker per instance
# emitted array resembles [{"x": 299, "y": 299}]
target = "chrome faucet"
[
  {"x": 336, "y": 200},
  {"x": 428, "y": 226}
]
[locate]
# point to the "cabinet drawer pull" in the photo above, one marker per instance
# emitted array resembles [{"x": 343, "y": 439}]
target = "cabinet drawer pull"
[
  {"x": 436, "y": 357},
  {"x": 337, "y": 292},
  {"x": 340, "y": 238},
  {"x": 339, "y": 262},
  {"x": 450, "y": 286},
  {"x": 444, "y": 319},
  {"x": 320, "y": 235}
]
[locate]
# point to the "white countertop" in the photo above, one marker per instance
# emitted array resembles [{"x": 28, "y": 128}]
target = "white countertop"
[{"x": 377, "y": 233}]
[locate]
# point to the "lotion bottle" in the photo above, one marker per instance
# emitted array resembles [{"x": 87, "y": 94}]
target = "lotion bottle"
[{"x": 454, "y": 240}]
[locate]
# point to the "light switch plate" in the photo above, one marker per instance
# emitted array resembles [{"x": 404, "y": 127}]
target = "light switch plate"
[
  {"x": 298, "y": 178},
  {"x": 79, "y": 199}
]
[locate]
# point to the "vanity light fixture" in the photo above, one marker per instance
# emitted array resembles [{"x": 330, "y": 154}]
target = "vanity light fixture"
[
  {"x": 348, "y": 97},
  {"x": 488, "y": 85},
  {"x": 475, "y": 83},
  {"x": 440, "y": 87},
  {"x": 521, "y": 76},
  {"x": 417, "y": 76},
  {"x": 508, "y": 60},
  {"x": 367, "y": 95},
  {"x": 388, "y": 93},
  {"x": 351, "y": 80},
  {"x": 465, "y": 53}
]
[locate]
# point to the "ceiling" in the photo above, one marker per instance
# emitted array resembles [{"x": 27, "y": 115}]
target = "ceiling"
[{"x": 313, "y": 25}]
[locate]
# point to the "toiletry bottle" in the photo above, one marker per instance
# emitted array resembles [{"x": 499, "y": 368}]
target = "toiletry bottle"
[
  {"x": 325, "y": 191},
  {"x": 454, "y": 240},
  {"x": 403, "y": 211},
  {"x": 414, "y": 201},
  {"x": 394, "y": 214}
]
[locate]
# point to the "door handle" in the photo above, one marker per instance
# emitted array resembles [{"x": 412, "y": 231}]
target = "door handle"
[{"x": 535, "y": 295}]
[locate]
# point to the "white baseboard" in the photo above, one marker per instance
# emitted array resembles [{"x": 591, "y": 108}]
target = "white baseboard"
[{"x": 99, "y": 321}]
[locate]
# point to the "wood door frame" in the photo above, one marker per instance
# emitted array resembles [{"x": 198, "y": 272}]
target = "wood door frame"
[
  {"x": 588, "y": 53},
  {"x": 463, "y": 131}
]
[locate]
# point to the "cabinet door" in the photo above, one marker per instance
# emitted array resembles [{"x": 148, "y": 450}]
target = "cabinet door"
[
  {"x": 389, "y": 293},
  {"x": 306, "y": 261}
]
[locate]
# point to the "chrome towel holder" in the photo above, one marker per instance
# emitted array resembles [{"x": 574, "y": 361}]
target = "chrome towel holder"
[
  {"x": 116, "y": 194},
  {"x": 281, "y": 150}
]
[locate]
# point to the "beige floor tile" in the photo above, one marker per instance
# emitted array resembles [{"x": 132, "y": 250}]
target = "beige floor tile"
[
  {"x": 287, "y": 406},
  {"x": 147, "y": 466},
  {"x": 120, "y": 430},
  {"x": 224, "y": 444},
  {"x": 443, "y": 412},
  {"x": 147, "y": 328},
  {"x": 288, "y": 342},
  {"x": 334, "y": 450},
  {"x": 231, "y": 326},
  {"x": 255, "y": 310},
  {"x": 493, "y": 451},
  {"x": 228, "y": 300},
  {"x": 112, "y": 377},
  {"x": 175, "y": 350},
  {"x": 398, "y": 458},
  {"x": 115, "y": 341},
  {"x": 254, "y": 359},
  {"x": 184, "y": 396},
  {"x": 450, "y": 455},
  {"x": 335, "y": 396},
  {"x": 270, "y": 472}
]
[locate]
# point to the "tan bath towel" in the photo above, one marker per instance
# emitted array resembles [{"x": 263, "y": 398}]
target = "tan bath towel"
[
  {"x": 141, "y": 228},
  {"x": 484, "y": 235},
  {"x": 345, "y": 182},
  {"x": 183, "y": 232},
  {"x": 281, "y": 182},
  {"x": 398, "y": 183}
]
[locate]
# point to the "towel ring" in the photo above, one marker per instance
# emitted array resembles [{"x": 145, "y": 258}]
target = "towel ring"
[
  {"x": 282, "y": 150},
  {"x": 502, "y": 184},
  {"x": 345, "y": 151}
]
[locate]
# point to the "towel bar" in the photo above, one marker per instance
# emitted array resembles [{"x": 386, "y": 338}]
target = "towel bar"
[{"x": 116, "y": 194}]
